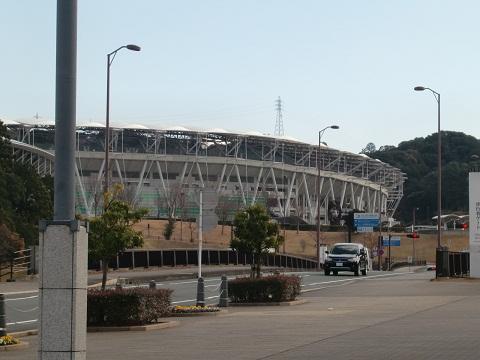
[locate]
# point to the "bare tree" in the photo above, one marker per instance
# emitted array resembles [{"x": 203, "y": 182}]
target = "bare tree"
[
  {"x": 172, "y": 199},
  {"x": 225, "y": 210}
]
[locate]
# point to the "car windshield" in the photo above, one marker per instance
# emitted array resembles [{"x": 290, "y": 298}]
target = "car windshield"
[{"x": 344, "y": 249}]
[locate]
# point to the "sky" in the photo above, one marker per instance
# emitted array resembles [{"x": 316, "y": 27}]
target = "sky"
[{"x": 222, "y": 64}]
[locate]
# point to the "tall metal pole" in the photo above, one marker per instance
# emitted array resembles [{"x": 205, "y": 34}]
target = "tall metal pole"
[
  {"x": 318, "y": 196},
  {"x": 380, "y": 237},
  {"x": 65, "y": 110},
  {"x": 319, "y": 204},
  {"x": 413, "y": 235},
  {"x": 200, "y": 235},
  {"x": 107, "y": 131},
  {"x": 439, "y": 190},
  {"x": 110, "y": 58},
  {"x": 439, "y": 165}
]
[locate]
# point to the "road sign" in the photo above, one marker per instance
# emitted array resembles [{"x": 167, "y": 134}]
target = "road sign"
[
  {"x": 365, "y": 222},
  {"x": 394, "y": 241},
  {"x": 209, "y": 203},
  {"x": 364, "y": 229},
  {"x": 380, "y": 252}
]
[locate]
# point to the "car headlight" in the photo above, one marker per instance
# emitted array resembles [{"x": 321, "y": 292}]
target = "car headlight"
[
  {"x": 329, "y": 258},
  {"x": 353, "y": 259}
]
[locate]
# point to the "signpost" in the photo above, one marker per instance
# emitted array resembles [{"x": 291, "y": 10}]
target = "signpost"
[
  {"x": 365, "y": 222},
  {"x": 391, "y": 241},
  {"x": 206, "y": 220}
]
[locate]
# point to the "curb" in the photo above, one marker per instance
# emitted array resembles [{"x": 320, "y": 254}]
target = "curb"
[
  {"x": 207, "y": 313},
  {"x": 21, "y": 345},
  {"x": 161, "y": 325},
  {"x": 283, "y": 303},
  {"x": 455, "y": 279},
  {"x": 25, "y": 333}
]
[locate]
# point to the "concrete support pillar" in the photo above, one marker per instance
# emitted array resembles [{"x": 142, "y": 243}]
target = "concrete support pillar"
[{"x": 63, "y": 290}]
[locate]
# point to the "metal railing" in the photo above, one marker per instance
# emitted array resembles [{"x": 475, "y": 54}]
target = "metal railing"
[
  {"x": 184, "y": 257},
  {"x": 19, "y": 263}
]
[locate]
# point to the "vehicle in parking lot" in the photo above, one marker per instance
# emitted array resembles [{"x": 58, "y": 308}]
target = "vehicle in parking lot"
[{"x": 347, "y": 257}]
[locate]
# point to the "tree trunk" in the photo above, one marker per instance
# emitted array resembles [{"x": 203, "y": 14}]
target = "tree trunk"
[
  {"x": 258, "y": 265},
  {"x": 104, "y": 273}
]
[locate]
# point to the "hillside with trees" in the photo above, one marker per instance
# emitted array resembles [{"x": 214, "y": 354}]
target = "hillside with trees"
[{"x": 418, "y": 159}]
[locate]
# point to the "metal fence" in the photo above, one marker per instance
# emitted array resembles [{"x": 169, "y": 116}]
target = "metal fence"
[
  {"x": 184, "y": 257},
  {"x": 452, "y": 264},
  {"x": 19, "y": 263}
]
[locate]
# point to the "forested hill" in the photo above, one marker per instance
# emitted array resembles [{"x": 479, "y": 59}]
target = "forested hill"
[{"x": 418, "y": 159}]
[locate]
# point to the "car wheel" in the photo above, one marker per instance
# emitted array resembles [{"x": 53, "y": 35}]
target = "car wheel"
[
  {"x": 355, "y": 272},
  {"x": 327, "y": 272}
]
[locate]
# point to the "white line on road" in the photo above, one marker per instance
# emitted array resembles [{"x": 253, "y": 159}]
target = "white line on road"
[
  {"x": 22, "y": 322},
  {"x": 24, "y": 298},
  {"x": 350, "y": 280},
  {"x": 193, "y": 300}
]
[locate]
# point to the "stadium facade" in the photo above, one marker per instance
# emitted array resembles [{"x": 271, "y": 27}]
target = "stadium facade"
[{"x": 162, "y": 169}]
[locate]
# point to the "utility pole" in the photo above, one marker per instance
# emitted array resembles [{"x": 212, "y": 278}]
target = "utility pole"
[{"x": 63, "y": 240}]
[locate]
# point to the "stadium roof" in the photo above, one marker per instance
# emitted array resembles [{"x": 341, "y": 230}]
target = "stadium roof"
[{"x": 40, "y": 122}]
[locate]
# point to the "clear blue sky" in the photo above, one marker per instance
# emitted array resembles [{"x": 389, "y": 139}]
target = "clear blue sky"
[{"x": 223, "y": 63}]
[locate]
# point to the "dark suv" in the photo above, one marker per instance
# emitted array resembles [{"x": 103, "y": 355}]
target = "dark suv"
[{"x": 347, "y": 257}]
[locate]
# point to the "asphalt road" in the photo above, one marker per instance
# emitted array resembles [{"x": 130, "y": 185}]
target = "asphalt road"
[{"x": 22, "y": 309}]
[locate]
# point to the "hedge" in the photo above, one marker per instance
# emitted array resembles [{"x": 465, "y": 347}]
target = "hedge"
[
  {"x": 118, "y": 307},
  {"x": 274, "y": 288}
]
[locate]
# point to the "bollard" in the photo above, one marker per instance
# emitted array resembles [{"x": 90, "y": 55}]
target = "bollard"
[
  {"x": 3, "y": 320},
  {"x": 223, "y": 292},
  {"x": 152, "y": 285},
  {"x": 200, "y": 292}
]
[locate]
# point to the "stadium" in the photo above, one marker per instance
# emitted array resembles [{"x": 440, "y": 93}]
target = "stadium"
[{"x": 162, "y": 169}]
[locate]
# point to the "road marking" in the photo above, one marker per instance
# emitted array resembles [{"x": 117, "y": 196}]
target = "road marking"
[
  {"x": 24, "y": 298},
  {"x": 372, "y": 277},
  {"x": 22, "y": 322},
  {"x": 186, "y": 282},
  {"x": 214, "y": 285},
  {"x": 193, "y": 300},
  {"x": 21, "y": 292},
  {"x": 183, "y": 301}
]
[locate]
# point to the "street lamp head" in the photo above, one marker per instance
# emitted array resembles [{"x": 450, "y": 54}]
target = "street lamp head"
[
  {"x": 419, "y": 88},
  {"x": 133, "y": 47},
  {"x": 335, "y": 127}
]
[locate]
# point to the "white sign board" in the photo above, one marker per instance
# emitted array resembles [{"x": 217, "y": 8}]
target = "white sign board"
[{"x": 474, "y": 195}]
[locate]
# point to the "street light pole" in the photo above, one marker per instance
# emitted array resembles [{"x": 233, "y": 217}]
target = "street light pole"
[
  {"x": 110, "y": 58},
  {"x": 439, "y": 165},
  {"x": 320, "y": 133}
]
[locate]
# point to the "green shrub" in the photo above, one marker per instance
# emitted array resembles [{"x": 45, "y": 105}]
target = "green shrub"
[
  {"x": 119, "y": 307},
  {"x": 275, "y": 288}
]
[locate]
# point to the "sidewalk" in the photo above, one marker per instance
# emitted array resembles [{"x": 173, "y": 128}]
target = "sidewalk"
[{"x": 407, "y": 316}]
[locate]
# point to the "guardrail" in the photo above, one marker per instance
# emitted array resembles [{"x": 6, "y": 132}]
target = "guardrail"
[{"x": 184, "y": 257}]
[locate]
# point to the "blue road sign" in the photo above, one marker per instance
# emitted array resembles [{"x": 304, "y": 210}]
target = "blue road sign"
[
  {"x": 366, "y": 220},
  {"x": 394, "y": 241}
]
